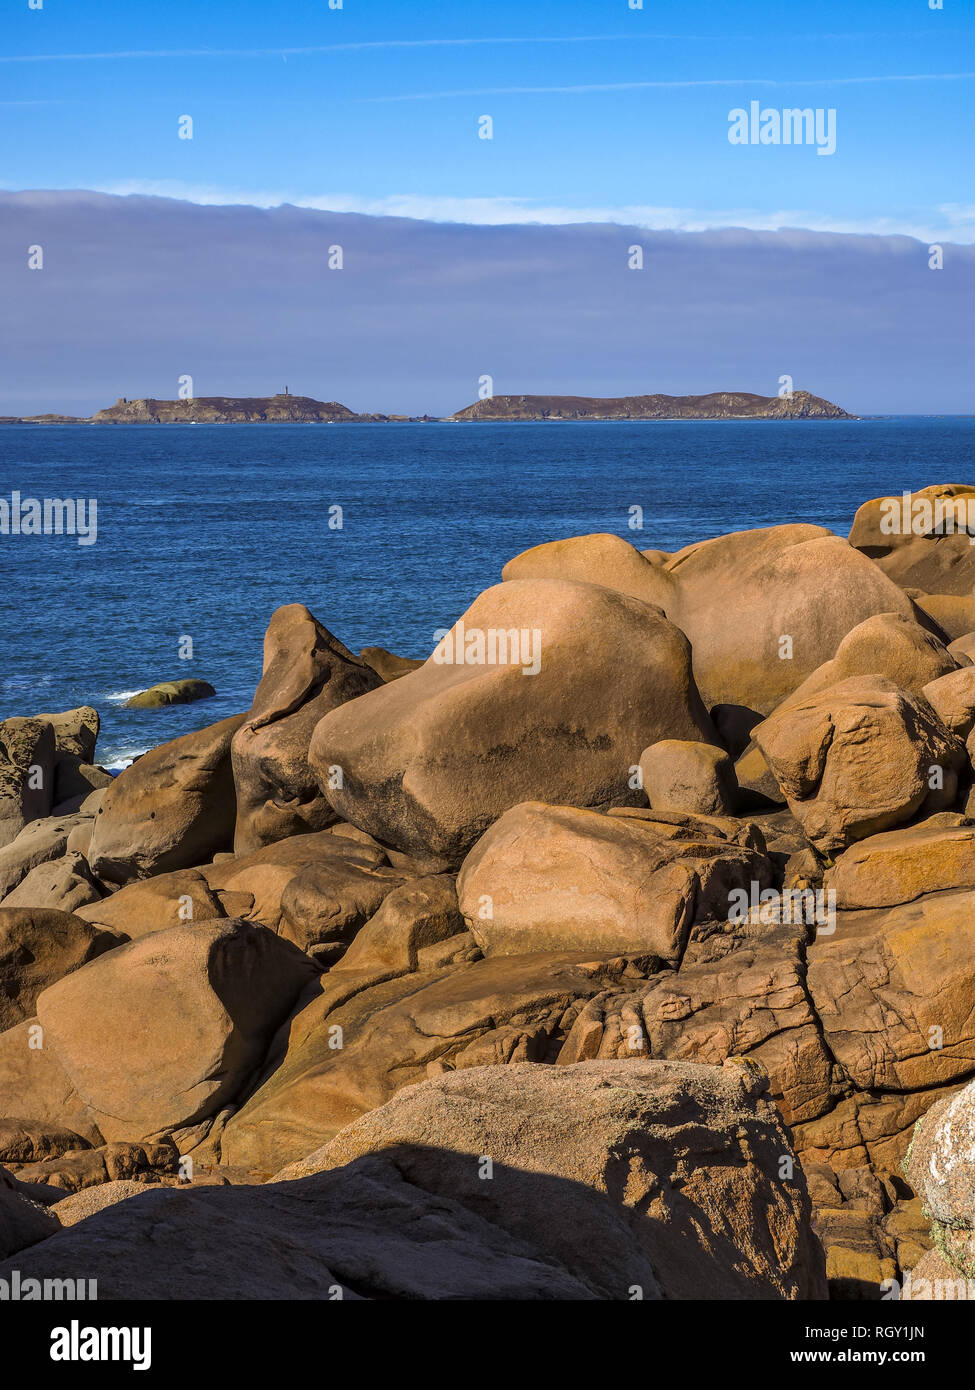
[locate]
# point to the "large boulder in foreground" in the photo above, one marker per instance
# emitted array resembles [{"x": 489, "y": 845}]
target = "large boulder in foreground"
[
  {"x": 171, "y": 809},
  {"x": 361, "y": 1232},
  {"x": 659, "y": 1176},
  {"x": 860, "y": 757},
  {"x": 738, "y": 598},
  {"x": 307, "y": 672},
  {"x": 556, "y": 878},
  {"x": 430, "y": 761},
  {"x": 162, "y": 1032},
  {"x": 604, "y": 1181}
]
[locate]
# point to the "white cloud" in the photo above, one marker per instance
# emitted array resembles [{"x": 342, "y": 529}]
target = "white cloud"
[{"x": 953, "y": 222}]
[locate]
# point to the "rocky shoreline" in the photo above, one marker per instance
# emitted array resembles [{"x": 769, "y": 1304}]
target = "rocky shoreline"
[{"x": 623, "y": 948}]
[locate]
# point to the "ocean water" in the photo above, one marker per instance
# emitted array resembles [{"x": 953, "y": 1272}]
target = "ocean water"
[{"x": 203, "y": 530}]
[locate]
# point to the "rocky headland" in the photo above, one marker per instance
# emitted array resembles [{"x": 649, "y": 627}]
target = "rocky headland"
[{"x": 626, "y": 943}]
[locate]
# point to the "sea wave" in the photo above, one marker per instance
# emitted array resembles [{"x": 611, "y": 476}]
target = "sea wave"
[
  {"x": 119, "y": 697},
  {"x": 121, "y": 758},
  {"x": 24, "y": 682}
]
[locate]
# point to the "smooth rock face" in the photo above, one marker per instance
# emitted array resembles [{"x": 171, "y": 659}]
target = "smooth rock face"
[
  {"x": 952, "y": 697},
  {"x": 556, "y": 878},
  {"x": 417, "y": 915},
  {"x": 26, "y": 774},
  {"x": 162, "y": 1032},
  {"x": 900, "y": 865},
  {"x": 859, "y": 757},
  {"x": 755, "y": 780},
  {"x": 38, "y": 843},
  {"x": 307, "y": 672},
  {"x": 799, "y": 582},
  {"x": 33, "y": 1083},
  {"x": 953, "y": 613},
  {"x": 888, "y": 645},
  {"x": 387, "y": 666},
  {"x": 430, "y": 761},
  {"x": 166, "y": 900},
  {"x": 661, "y": 1174},
  {"x": 598, "y": 559},
  {"x": 63, "y": 884},
  {"x": 38, "y": 947},
  {"x": 173, "y": 808},
  {"x": 695, "y": 777},
  {"x": 326, "y": 903}
]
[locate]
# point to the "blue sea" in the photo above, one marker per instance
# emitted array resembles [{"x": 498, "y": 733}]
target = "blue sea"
[{"x": 203, "y": 530}]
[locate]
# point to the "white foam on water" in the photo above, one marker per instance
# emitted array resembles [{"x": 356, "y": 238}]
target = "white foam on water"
[
  {"x": 121, "y": 760},
  {"x": 119, "y": 697}
]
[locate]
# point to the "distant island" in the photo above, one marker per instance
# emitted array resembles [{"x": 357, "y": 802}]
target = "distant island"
[
  {"x": 287, "y": 409},
  {"x": 214, "y": 410},
  {"x": 719, "y": 405}
]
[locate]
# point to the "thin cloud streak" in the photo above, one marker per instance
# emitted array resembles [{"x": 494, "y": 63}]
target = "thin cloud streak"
[
  {"x": 352, "y": 47},
  {"x": 584, "y": 88},
  {"x": 311, "y": 50}
]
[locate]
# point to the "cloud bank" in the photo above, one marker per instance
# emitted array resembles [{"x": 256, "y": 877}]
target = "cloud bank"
[{"x": 137, "y": 291}]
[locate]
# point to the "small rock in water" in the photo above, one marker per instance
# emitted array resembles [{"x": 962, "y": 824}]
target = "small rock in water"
[{"x": 171, "y": 693}]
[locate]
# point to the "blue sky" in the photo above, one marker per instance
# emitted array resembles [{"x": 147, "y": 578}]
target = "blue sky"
[{"x": 600, "y": 112}]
